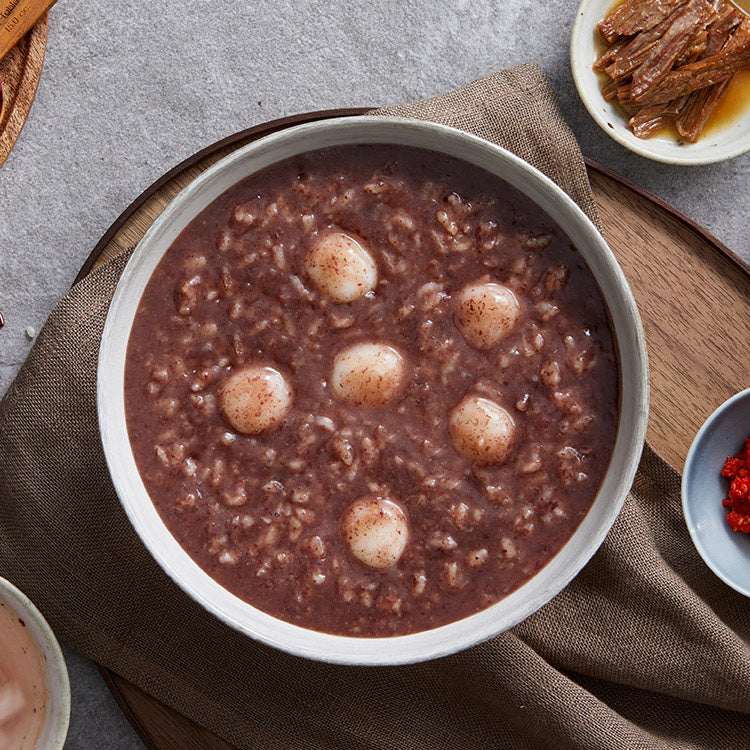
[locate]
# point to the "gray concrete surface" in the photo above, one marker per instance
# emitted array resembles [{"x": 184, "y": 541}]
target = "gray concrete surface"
[{"x": 130, "y": 89}]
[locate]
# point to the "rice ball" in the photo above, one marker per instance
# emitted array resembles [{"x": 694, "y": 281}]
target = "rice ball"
[
  {"x": 376, "y": 531},
  {"x": 254, "y": 399},
  {"x": 486, "y": 313},
  {"x": 482, "y": 430},
  {"x": 341, "y": 267},
  {"x": 368, "y": 374}
]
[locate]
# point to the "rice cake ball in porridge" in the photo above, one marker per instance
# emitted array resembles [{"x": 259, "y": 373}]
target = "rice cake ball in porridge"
[
  {"x": 340, "y": 267},
  {"x": 376, "y": 531},
  {"x": 254, "y": 399},
  {"x": 368, "y": 374},
  {"x": 486, "y": 313},
  {"x": 382, "y": 393},
  {"x": 482, "y": 430}
]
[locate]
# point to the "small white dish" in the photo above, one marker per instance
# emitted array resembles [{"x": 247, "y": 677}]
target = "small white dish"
[
  {"x": 57, "y": 716},
  {"x": 717, "y": 145},
  {"x": 726, "y": 552},
  {"x": 454, "y": 636}
]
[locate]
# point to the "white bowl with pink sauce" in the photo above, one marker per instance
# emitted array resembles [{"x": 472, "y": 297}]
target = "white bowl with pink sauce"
[
  {"x": 34, "y": 685},
  {"x": 457, "y": 635}
]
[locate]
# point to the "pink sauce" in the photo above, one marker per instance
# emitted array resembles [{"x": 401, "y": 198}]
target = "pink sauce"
[{"x": 23, "y": 690}]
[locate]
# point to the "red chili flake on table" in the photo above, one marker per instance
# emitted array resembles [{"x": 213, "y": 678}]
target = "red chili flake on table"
[{"x": 737, "y": 470}]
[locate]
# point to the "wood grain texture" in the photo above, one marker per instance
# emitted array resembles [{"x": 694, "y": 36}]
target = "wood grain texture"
[
  {"x": 695, "y": 306},
  {"x": 694, "y": 301},
  {"x": 158, "y": 726},
  {"x": 19, "y": 21},
  {"x": 20, "y": 71}
]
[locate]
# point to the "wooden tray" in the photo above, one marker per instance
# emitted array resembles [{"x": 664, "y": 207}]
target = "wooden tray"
[
  {"x": 692, "y": 291},
  {"x": 20, "y": 71}
]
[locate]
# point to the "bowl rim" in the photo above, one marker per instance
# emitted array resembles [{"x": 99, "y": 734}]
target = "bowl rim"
[
  {"x": 57, "y": 720},
  {"x": 621, "y": 133},
  {"x": 687, "y": 512},
  {"x": 459, "y": 634}
]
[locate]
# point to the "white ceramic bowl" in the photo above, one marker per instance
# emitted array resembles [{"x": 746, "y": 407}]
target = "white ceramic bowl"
[
  {"x": 454, "y": 636},
  {"x": 723, "y": 434},
  {"x": 56, "y": 721},
  {"x": 718, "y": 145}
]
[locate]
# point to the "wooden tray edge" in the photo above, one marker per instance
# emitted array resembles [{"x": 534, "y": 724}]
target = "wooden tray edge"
[
  {"x": 277, "y": 124},
  {"x": 31, "y": 77},
  {"x": 669, "y": 208},
  {"x": 122, "y": 702}
]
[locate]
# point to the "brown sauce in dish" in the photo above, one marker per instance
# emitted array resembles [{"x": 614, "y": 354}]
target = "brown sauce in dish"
[
  {"x": 397, "y": 463},
  {"x": 733, "y": 105},
  {"x": 735, "y": 101}
]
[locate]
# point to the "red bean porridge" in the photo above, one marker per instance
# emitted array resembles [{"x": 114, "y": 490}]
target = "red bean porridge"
[{"x": 372, "y": 390}]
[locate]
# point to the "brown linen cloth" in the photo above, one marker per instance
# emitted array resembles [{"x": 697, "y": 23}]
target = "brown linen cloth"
[{"x": 645, "y": 649}]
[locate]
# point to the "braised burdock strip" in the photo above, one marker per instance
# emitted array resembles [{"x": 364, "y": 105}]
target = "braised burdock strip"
[
  {"x": 695, "y": 49},
  {"x": 609, "y": 55},
  {"x": 635, "y": 52},
  {"x": 740, "y": 38},
  {"x": 609, "y": 90},
  {"x": 623, "y": 97},
  {"x": 695, "y": 114},
  {"x": 650, "y": 120},
  {"x": 719, "y": 31},
  {"x": 698, "y": 75},
  {"x": 690, "y": 21},
  {"x": 636, "y": 15},
  {"x": 630, "y": 56}
]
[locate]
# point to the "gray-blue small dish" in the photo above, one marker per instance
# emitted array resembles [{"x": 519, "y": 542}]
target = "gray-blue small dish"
[{"x": 726, "y": 552}]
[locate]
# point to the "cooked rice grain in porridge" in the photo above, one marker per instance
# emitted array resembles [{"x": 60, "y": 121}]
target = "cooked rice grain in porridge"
[{"x": 372, "y": 390}]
